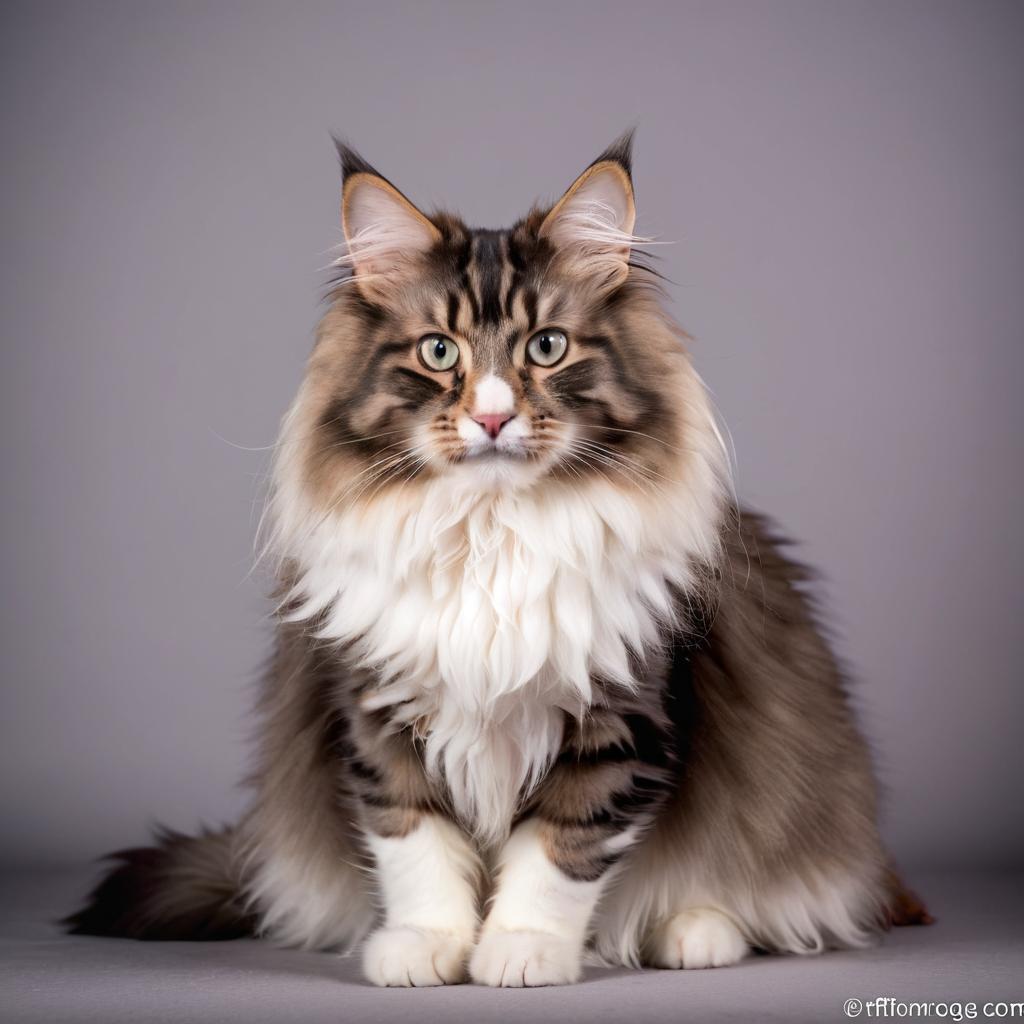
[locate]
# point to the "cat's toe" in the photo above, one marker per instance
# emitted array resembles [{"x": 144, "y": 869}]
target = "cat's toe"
[
  {"x": 523, "y": 959},
  {"x": 697, "y": 938},
  {"x": 414, "y": 957}
]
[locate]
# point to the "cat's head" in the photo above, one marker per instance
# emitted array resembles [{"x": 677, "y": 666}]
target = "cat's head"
[{"x": 493, "y": 358}]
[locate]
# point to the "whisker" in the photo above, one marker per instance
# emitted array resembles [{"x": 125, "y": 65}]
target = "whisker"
[
  {"x": 367, "y": 437},
  {"x": 589, "y": 465},
  {"x": 417, "y": 461},
  {"x": 633, "y": 475},
  {"x": 612, "y": 453},
  {"x": 638, "y": 433},
  {"x": 390, "y": 467}
]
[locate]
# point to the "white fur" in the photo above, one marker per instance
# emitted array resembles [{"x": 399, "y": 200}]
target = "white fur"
[
  {"x": 804, "y": 914},
  {"x": 525, "y": 959},
  {"x": 311, "y": 901},
  {"x": 493, "y": 397},
  {"x": 702, "y": 937},
  {"x": 428, "y": 883},
  {"x": 537, "y": 925},
  {"x": 489, "y": 608},
  {"x": 414, "y": 958},
  {"x": 622, "y": 840},
  {"x": 428, "y": 878}
]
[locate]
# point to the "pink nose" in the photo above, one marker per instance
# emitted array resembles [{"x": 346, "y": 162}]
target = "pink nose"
[{"x": 492, "y": 422}]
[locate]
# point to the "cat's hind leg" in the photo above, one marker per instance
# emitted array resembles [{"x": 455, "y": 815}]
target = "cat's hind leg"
[{"x": 696, "y": 938}]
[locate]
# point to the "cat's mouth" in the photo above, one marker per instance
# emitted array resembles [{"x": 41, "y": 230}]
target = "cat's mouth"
[
  {"x": 493, "y": 453},
  {"x": 509, "y": 464}
]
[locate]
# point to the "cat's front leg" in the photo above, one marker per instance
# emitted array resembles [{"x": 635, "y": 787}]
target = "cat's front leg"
[
  {"x": 610, "y": 778},
  {"x": 537, "y": 924},
  {"x": 427, "y": 883},
  {"x": 427, "y": 871}
]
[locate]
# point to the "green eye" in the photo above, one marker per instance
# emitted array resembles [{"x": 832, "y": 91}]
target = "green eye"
[
  {"x": 547, "y": 347},
  {"x": 438, "y": 352}
]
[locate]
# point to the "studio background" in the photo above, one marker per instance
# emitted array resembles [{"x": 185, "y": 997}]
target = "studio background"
[{"x": 841, "y": 183}]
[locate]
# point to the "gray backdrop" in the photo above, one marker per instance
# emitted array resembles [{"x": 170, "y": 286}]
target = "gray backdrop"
[{"x": 842, "y": 184}]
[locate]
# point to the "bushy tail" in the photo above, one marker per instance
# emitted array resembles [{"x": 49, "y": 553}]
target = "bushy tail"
[{"x": 185, "y": 887}]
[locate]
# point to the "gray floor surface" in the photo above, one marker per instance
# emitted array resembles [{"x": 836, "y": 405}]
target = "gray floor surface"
[{"x": 974, "y": 952}]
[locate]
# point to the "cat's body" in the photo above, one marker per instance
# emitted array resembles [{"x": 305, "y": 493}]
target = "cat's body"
[{"x": 532, "y": 660}]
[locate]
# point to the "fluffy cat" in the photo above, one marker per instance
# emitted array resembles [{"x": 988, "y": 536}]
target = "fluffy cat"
[{"x": 539, "y": 684}]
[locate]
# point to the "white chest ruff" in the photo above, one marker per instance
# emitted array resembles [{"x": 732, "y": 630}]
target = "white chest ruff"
[{"x": 490, "y": 614}]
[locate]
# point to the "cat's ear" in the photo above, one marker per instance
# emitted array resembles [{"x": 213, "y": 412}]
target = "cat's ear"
[
  {"x": 384, "y": 232},
  {"x": 593, "y": 222}
]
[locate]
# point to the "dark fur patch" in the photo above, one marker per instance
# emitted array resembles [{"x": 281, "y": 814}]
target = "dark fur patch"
[{"x": 184, "y": 888}]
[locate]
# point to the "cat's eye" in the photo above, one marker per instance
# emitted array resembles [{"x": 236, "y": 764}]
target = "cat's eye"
[
  {"x": 438, "y": 352},
  {"x": 547, "y": 347}
]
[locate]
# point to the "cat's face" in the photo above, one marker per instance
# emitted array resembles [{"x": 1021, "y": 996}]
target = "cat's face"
[{"x": 493, "y": 358}]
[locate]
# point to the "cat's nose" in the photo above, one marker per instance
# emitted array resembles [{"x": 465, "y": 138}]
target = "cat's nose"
[{"x": 492, "y": 422}]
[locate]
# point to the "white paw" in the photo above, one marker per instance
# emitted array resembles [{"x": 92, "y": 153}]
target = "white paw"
[
  {"x": 414, "y": 957},
  {"x": 697, "y": 938},
  {"x": 524, "y": 960}
]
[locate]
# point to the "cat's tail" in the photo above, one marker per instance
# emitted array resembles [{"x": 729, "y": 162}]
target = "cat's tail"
[
  {"x": 185, "y": 887},
  {"x": 905, "y": 906}
]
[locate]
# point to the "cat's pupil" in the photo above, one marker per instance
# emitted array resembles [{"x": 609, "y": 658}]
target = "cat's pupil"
[
  {"x": 440, "y": 348},
  {"x": 545, "y": 345}
]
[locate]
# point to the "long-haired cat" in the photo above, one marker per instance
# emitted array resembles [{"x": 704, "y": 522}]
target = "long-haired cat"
[{"x": 539, "y": 684}]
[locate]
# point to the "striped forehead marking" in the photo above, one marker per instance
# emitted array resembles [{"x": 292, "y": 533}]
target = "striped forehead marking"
[
  {"x": 488, "y": 273},
  {"x": 493, "y": 283}
]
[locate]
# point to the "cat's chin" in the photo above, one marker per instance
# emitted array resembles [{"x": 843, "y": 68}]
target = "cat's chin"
[{"x": 496, "y": 470}]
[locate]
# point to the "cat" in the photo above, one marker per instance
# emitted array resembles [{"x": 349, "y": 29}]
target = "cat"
[{"x": 541, "y": 690}]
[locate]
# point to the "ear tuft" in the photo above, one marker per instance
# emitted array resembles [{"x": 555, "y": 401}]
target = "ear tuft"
[
  {"x": 351, "y": 161},
  {"x": 620, "y": 151}
]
